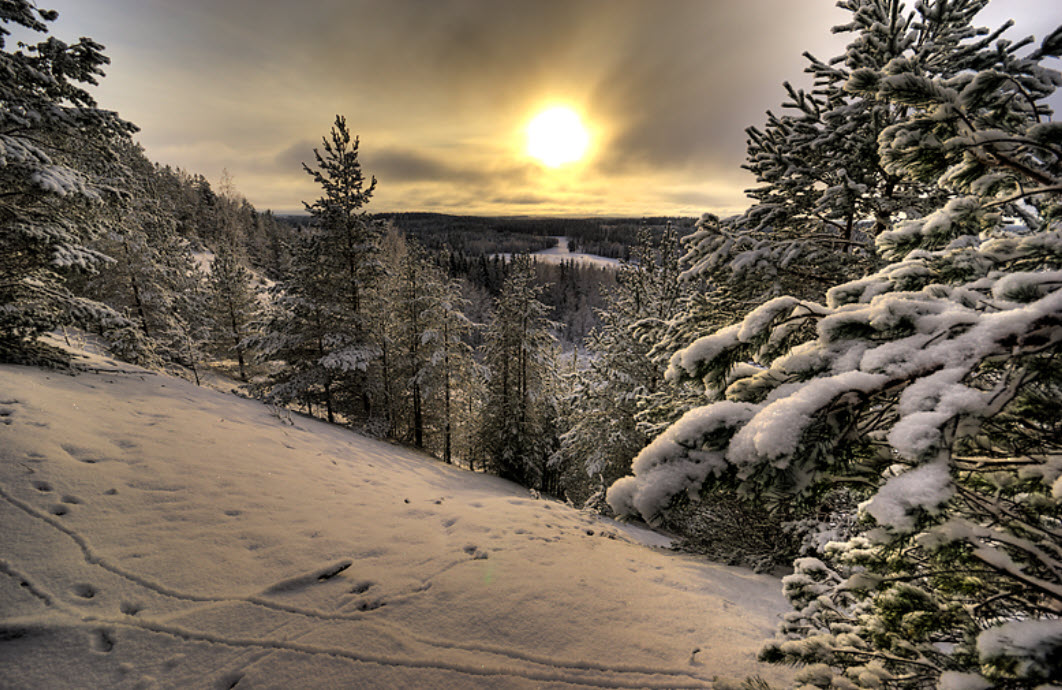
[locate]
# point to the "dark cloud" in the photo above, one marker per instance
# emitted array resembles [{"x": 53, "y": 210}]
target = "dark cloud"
[
  {"x": 439, "y": 89},
  {"x": 521, "y": 199},
  {"x": 292, "y": 158}
]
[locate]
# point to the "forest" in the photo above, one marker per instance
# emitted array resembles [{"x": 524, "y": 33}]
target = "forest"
[{"x": 855, "y": 381}]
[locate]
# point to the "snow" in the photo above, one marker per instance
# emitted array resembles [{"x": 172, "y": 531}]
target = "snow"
[
  {"x": 701, "y": 351},
  {"x": 560, "y": 253},
  {"x": 156, "y": 534},
  {"x": 925, "y": 488},
  {"x": 774, "y": 433},
  {"x": 953, "y": 680},
  {"x": 204, "y": 260},
  {"x": 1034, "y": 644}
]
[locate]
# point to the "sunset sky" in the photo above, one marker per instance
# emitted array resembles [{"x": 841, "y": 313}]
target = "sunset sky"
[{"x": 441, "y": 92}]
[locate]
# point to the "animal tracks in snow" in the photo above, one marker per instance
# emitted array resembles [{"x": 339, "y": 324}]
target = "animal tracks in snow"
[
  {"x": 494, "y": 661},
  {"x": 221, "y": 557}
]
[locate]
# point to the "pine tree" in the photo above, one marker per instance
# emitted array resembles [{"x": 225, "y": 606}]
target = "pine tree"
[
  {"x": 154, "y": 280},
  {"x": 233, "y": 306},
  {"x": 603, "y": 434},
  {"x": 421, "y": 332},
  {"x": 930, "y": 387},
  {"x": 823, "y": 193},
  {"x": 56, "y": 159},
  {"x": 516, "y": 434},
  {"x": 318, "y": 327}
]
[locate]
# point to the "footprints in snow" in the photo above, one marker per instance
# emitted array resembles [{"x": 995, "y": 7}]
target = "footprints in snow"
[
  {"x": 302, "y": 582},
  {"x": 66, "y": 501},
  {"x": 80, "y": 454},
  {"x": 475, "y": 552},
  {"x": 362, "y": 587},
  {"x": 103, "y": 641}
]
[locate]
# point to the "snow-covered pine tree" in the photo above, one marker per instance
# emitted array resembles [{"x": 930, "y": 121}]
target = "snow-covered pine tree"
[
  {"x": 454, "y": 369},
  {"x": 420, "y": 328},
  {"x": 269, "y": 248},
  {"x": 822, "y": 192},
  {"x": 349, "y": 243},
  {"x": 154, "y": 280},
  {"x": 516, "y": 434},
  {"x": 233, "y": 306},
  {"x": 931, "y": 386},
  {"x": 292, "y": 337},
  {"x": 601, "y": 434},
  {"x": 55, "y": 157}
]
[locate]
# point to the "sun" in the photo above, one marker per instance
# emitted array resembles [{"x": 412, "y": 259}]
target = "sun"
[{"x": 556, "y": 136}]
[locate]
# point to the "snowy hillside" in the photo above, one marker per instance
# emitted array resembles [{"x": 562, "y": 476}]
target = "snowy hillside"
[{"x": 156, "y": 534}]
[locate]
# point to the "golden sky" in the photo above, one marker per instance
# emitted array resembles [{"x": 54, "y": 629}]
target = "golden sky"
[{"x": 441, "y": 91}]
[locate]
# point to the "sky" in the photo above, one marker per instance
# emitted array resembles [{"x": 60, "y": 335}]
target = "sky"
[{"x": 440, "y": 92}]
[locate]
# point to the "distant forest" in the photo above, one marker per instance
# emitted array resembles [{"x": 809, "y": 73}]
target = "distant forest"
[
  {"x": 467, "y": 247},
  {"x": 474, "y": 235}
]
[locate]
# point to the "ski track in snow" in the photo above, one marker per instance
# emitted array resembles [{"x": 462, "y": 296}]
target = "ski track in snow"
[{"x": 198, "y": 626}]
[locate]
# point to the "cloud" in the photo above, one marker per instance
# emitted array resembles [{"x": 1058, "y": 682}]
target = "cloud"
[
  {"x": 440, "y": 89},
  {"x": 292, "y": 158}
]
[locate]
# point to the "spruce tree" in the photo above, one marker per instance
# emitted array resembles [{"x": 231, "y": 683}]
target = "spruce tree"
[{"x": 56, "y": 162}]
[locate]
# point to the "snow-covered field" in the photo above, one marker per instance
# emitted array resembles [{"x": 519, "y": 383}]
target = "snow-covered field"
[
  {"x": 155, "y": 534},
  {"x": 561, "y": 253}
]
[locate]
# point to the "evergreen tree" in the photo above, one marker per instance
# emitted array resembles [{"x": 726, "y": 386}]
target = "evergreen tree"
[
  {"x": 154, "y": 279},
  {"x": 319, "y": 327},
  {"x": 516, "y": 434},
  {"x": 930, "y": 387},
  {"x": 421, "y": 329},
  {"x": 602, "y": 435},
  {"x": 56, "y": 162},
  {"x": 233, "y": 306},
  {"x": 823, "y": 193}
]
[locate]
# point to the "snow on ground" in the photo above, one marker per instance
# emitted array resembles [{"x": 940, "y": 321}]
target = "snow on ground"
[
  {"x": 204, "y": 260},
  {"x": 561, "y": 253},
  {"x": 156, "y": 534}
]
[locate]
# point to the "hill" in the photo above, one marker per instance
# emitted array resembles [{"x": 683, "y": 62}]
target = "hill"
[{"x": 156, "y": 534}]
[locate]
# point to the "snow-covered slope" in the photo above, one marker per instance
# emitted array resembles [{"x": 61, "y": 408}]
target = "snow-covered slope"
[{"x": 155, "y": 534}]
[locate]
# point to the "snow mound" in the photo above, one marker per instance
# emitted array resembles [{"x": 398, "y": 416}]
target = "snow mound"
[{"x": 156, "y": 534}]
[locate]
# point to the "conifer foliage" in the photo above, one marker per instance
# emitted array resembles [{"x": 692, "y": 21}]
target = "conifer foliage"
[
  {"x": 318, "y": 327},
  {"x": 930, "y": 386},
  {"x": 55, "y": 160},
  {"x": 426, "y": 364},
  {"x": 602, "y": 434},
  {"x": 517, "y": 424}
]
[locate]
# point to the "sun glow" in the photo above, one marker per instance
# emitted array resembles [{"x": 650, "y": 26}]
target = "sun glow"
[{"x": 557, "y": 136}]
